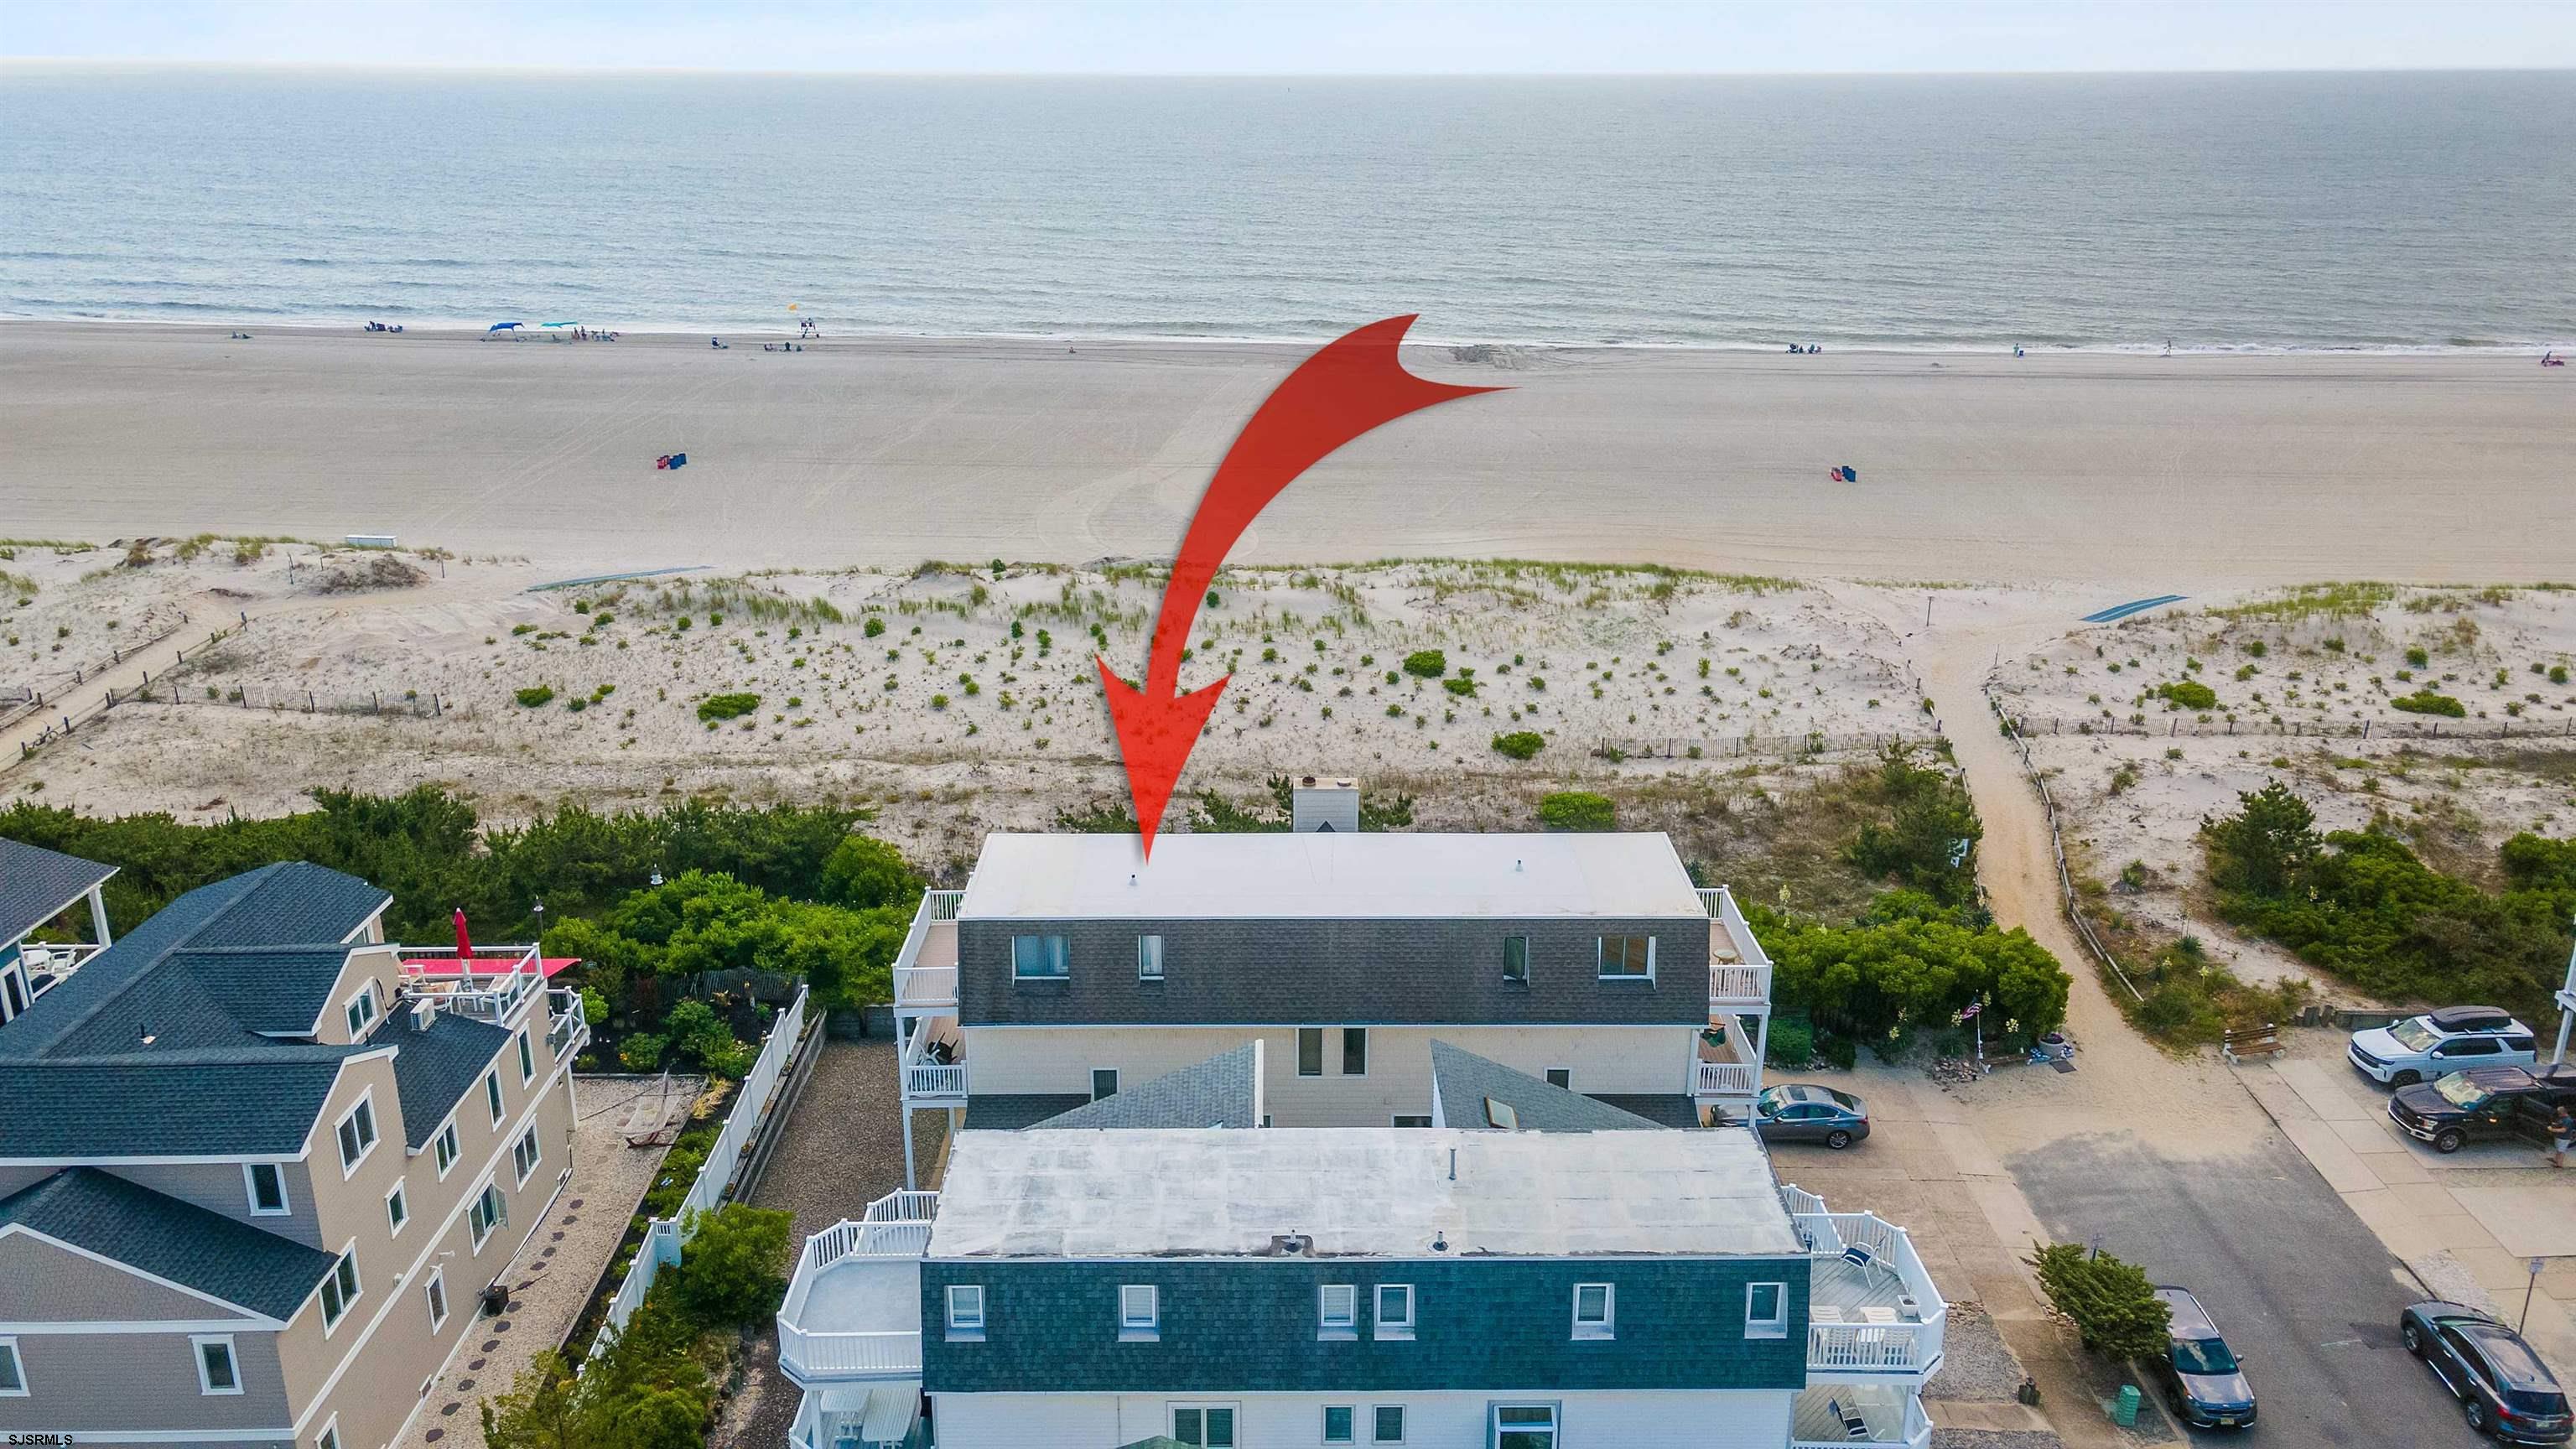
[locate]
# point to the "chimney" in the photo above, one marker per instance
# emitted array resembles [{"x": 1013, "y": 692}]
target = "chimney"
[{"x": 1320, "y": 804}]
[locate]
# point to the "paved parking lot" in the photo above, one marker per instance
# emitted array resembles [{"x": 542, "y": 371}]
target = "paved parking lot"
[{"x": 2467, "y": 1224}]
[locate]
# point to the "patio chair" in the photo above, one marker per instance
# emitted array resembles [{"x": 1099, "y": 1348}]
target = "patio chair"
[{"x": 1854, "y": 1426}]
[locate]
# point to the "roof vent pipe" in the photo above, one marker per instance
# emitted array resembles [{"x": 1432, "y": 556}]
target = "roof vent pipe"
[{"x": 1453, "y": 1164}]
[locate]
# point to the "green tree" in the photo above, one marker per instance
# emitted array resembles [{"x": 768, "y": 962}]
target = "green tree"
[
  {"x": 733, "y": 1270},
  {"x": 1577, "y": 810},
  {"x": 2266, "y": 845},
  {"x": 865, "y": 873},
  {"x": 2112, "y": 1304},
  {"x": 1930, "y": 830}
]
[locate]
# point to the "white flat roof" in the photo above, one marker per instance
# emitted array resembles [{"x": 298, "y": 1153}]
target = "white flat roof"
[
  {"x": 1383, "y": 1192},
  {"x": 1330, "y": 875}
]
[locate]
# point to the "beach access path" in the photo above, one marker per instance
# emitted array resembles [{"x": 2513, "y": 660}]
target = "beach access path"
[{"x": 2138, "y": 473}]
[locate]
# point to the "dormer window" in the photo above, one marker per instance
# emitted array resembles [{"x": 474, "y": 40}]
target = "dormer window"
[
  {"x": 357, "y": 1134},
  {"x": 361, "y": 1011},
  {"x": 1040, "y": 958},
  {"x": 1140, "y": 1312},
  {"x": 1149, "y": 958}
]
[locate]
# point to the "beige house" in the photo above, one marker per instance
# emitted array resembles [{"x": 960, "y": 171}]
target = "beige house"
[{"x": 256, "y": 1168}]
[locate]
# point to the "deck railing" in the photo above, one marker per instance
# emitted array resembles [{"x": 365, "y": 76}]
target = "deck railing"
[
  {"x": 1914, "y": 1431},
  {"x": 921, "y": 986},
  {"x": 1910, "y": 1346},
  {"x": 495, "y": 984},
  {"x": 1733, "y": 987},
  {"x": 1724, "y": 1079},
  {"x": 894, "y": 1226}
]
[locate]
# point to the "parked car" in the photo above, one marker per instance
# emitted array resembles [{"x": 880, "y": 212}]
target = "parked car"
[
  {"x": 1800, "y": 1113},
  {"x": 2501, "y": 1384},
  {"x": 2204, "y": 1380},
  {"x": 2483, "y": 1102},
  {"x": 2439, "y": 1043}
]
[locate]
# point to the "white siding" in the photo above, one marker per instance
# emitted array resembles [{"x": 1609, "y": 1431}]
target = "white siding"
[{"x": 1672, "y": 1419}]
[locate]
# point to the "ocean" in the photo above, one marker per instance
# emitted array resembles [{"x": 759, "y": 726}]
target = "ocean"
[{"x": 2369, "y": 211}]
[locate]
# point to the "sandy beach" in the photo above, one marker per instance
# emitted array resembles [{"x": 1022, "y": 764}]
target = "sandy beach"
[{"x": 2137, "y": 474}]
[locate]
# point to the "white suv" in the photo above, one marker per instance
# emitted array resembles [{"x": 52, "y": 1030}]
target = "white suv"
[{"x": 2438, "y": 1043}]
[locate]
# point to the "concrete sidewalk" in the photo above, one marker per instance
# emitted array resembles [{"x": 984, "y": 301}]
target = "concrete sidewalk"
[{"x": 2467, "y": 1225}]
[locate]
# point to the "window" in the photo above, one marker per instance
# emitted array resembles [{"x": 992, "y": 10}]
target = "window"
[
  {"x": 523, "y": 1156},
  {"x": 1040, "y": 958},
  {"x": 362, "y": 1011},
  {"x": 527, "y": 1059},
  {"x": 1766, "y": 1310},
  {"x": 1525, "y": 1426},
  {"x": 339, "y": 1290},
  {"x": 1338, "y": 1422},
  {"x": 1310, "y": 1051},
  {"x": 965, "y": 1310},
  {"x": 1395, "y": 1310},
  {"x": 267, "y": 1183},
  {"x": 1628, "y": 958},
  {"x": 13, "y": 1373},
  {"x": 1104, "y": 1082},
  {"x": 329, "y": 1438},
  {"x": 446, "y": 1148},
  {"x": 1337, "y": 1311},
  {"x": 357, "y": 1133},
  {"x": 488, "y": 1212},
  {"x": 435, "y": 1290},
  {"x": 1355, "y": 1051},
  {"x": 1149, "y": 958},
  {"x": 216, "y": 1371},
  {"x": 1409, "y": 1119},
  {"x": 1139, "y": 1312},
  {"x": 492, "y": 1095},
  {"x": 1204, "y": 1426},
  {"x": 1501, "y": 1116},
  {"x": 1516, "y": 959},
  {"x": 1561, "y": 1077},
  {"x": 397, "y": 1209},
  {"x": 1592, "y": 1311},
  {"x": 1387, "y": 1424}
]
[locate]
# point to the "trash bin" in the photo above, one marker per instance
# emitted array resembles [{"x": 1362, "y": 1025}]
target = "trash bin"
[{"x": 2124, "y": 1409}]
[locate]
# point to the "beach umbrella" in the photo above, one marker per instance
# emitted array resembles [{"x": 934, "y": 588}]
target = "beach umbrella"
[
  {"x": 1850, "y": 473},
  {"x": 500, "y": 326},
  {"x": 563, "y": 324},
  {"x": 464, "y": 942}
]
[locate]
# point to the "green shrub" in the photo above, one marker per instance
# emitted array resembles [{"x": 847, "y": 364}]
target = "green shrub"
[
  {"x": 2417, "y": 658},
  {"x": 1519, "y": 744},
  {"x": 1426, "y": 663},
  {"x": 1577, "y": 810},
  {"x": 1792, "y": 1045},
  {"x": 2558, "y": 674},
  {"x": 865, "y": 873},
  {"x": 1926, "y": 840},
  {"x": 641, "y": 1052},
  {"x": 1460, "y": 686},
  {"x": 1909, "y": 961},
  {"x": 2425, "y": 701},
  {"x": 2112, "y": 1304},
  {"x": 536, "y": 696},
  {"x": 729, "y": 1274},
  {"x": 727, "y": 706},
  {"x": 1840, "y": 1051},
  {"x": 2187, "y": 694}
]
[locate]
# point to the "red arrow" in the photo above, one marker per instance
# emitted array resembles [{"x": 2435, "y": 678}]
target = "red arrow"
[{"x": 1354, "y": 384}]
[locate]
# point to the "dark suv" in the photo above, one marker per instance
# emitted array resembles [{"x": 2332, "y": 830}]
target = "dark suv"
[
  {"x": 2501, "y": 1384},
  {"x": 2483, "y": 1102},
  {"x": 2203, "y": 1380}
]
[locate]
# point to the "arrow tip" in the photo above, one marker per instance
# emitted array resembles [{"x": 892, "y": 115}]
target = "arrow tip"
[{"x": 1155, "y": 733}]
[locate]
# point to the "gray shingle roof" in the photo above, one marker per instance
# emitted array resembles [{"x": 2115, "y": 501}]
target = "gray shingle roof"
[
  {"x": 36, "y": 883},
  {"x": 1011, "y": 1111},
  {"x": 170, "y": 1239},
  {"x": 437, "y": 1066},
  {"x": 1464, "y": 1081},
  {"x": 1223, "y": 1091},
  {"x": 187, "y": 1105}
]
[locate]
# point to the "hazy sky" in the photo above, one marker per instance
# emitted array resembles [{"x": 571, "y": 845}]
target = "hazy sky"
[{"x": 1319, "y": 37}]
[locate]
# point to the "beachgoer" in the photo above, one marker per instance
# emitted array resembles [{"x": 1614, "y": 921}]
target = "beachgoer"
[{"x": 2562, "y": 1136}]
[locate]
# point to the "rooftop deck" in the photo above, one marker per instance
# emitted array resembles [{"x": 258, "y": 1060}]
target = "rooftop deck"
[
  {"x": 1873, "y": 1312},
  {"x": 853, "y": 1309}
]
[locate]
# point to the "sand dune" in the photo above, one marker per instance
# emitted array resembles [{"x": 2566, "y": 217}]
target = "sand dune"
[{"x": 2162, "y": 474}]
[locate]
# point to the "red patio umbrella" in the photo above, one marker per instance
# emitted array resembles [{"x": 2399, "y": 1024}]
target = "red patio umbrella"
[{"x": 464, "y": 942}]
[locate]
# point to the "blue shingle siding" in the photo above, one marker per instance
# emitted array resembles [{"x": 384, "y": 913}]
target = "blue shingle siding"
[
  {"x": 1248, "y": 1325},
  {"x": 36, "y": 883},
  {"x": 1359, "y": 972}
]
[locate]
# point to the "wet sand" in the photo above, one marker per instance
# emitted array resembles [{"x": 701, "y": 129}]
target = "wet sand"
[{"x": 2166, "y": 474}]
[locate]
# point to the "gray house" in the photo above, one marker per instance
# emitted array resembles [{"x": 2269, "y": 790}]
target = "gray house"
[{"x": 255, "y": 1165}]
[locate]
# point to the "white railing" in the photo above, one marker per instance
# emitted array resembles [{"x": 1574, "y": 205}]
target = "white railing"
[
  {"x": 894, "y": 1226},
  {"x": 1736, "y": 987},
  {"x": 494, "y": 985},
  {"x": 925, "y": 988},
  {"x": 927, "y": 1080},
  {"x": 1724, "y": 1079},
  {"x": 1720, "y": 904},
  {"x": 1915, "y": 1433},
  {"x": 571, "y": 1021},
  {"x": 55, "y": 961},
  {"x": 664, "y": 1240},
  {"x": 935, "y": 906},
  {"x": 1910, "y": 1346}
]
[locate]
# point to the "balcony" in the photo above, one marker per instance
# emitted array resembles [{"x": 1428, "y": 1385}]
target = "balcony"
[
  {"x": 1726, "y": 1072},
  {"x": 571, "y": 1022},
  {"x": 1823, "y": 1417},
  {"x": 925, "y": 970},
  {"x": 853, "y": 1309},
  {"x": 1873, "y": 1313},
  {"x": 928, "y": 1080},
  {"x": 50, "y": 964},
  {"x": 884, "y": 1416},
  {"x": 495, "y": 984},
  {"x": 1739, "y": 974}
]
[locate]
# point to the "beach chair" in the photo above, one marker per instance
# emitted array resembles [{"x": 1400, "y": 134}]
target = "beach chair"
[{"x": 1854, "y": 1426}]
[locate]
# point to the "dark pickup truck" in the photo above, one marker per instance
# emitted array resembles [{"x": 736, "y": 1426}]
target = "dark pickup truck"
[{"x": 2483, "y": 1102}]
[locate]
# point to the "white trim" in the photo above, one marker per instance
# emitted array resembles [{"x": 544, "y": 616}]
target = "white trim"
[
  {"x": 1766, "y": 1327},
  {"x": 1330, "y": 1329},
  {"x": 348, "y": 1298},
  {"x": 966, "y": 1329},
  {"x": 197, "y": 1344},
  {"x": 527, "y": 1057},
  {"x": 1346, "y": 1051},
  {"x": 1601, "y": 956},
  {"x": 1325, "y": 1429},
  {"x": 256, "y": 1318},
  {"x": 492, "y": 1097},
  {"x": 1133, "y": 1329},
  {"x": 1141, "y": 953},
  {"x": 1018, "y": 936},
  {"x": 491, "y": 1188},
  {"x": 17, "y": 1361},
  {"x": 536, "y": 1100},
  {"x": 1382, "y": 1327},
  {"x": 1607, "y": 1327},
  {"x": 1566, "y": 1085},
  {"x": 375, "y": 1134},
  {"x": 1403, "y": 1423},
  {"x": 250, "y": 1189},
  {"x": 398, "y": 1195},
  {"x": 366, "y": 993},
  {"x": 1233, "y": 1407},
  {"x": 447, "y": 1129},
  {"x": 1298, "y": 1045},
  {"x": 536, "y": 1155},
  {"x": 329, "y": 1437},
  {"x": 434, "y": 1289}
]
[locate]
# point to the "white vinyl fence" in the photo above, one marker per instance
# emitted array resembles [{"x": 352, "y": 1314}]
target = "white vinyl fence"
[{"x": 664, "y": 1241}]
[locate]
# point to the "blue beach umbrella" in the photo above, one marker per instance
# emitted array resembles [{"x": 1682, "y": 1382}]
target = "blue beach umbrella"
[
  {"x": 563, "y": 324},
  {"x": 501, "y": 326}
]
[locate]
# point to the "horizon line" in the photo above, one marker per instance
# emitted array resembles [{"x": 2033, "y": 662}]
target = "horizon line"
[{"x": 463, "y": 68}]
